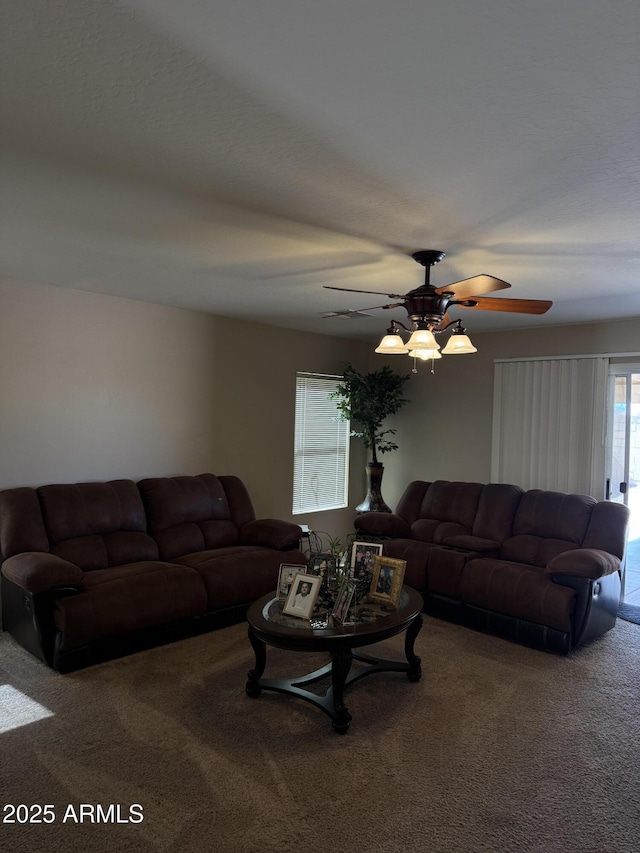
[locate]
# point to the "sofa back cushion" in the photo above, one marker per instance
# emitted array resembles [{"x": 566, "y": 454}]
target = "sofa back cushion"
[
  {"x": 547, "y": 524},
  {"x": 410, "y": 503},
  {"x": 188, "y": 514},
  {"x": 447, "y": 509},
  {"x": 496, "y": 511},
  {"x": 21, "y": 523},
  {"x": 96, "y": 525},
  {"x": 608, "y": 528}
]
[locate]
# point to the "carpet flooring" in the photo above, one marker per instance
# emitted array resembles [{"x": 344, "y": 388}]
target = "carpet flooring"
[{"x": 497, "y": 748}]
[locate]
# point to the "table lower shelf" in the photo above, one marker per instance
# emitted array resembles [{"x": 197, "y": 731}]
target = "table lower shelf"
[{"x": 341, "y": 674}]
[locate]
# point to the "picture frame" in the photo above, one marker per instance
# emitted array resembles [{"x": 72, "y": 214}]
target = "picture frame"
[
  {"x": 343, "y": 601},
  {"x": 321, "y": 564},
  {"x": 287, "y": 573},
  {"x": 386, "y": 582},
  {"x": 362, "y": 558},
  {"x": 300, "y": 601}
]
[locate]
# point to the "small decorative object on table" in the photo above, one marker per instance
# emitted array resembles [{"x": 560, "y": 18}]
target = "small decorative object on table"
[
  {"x": 343, "y": 601},
  {"x": 321, "y": 565},
  {"x": 285, "y": 578},
  {"x": 386, "y": 583},
  {"x": 302, "y": 595},
  {"x": 362, "y": 557}
]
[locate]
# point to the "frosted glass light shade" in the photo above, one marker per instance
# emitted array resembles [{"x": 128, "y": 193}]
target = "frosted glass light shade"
[
  {"x": 425, "y": 354},
  {"x": 392, "y": 345},
  {"x": 458, "y": 344},
  {"x": 422, "y": 339}
]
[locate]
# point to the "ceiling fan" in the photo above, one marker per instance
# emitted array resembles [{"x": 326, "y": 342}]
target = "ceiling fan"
[{"x": 427, "y": 308}]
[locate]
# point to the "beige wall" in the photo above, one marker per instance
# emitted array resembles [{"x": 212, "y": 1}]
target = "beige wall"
[
  {"x": 95, "y": 387},
  {"x": 445, "y": 432}
]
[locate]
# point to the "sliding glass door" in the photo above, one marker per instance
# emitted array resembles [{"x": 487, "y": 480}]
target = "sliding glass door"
[{"x": 623, "y": 463}]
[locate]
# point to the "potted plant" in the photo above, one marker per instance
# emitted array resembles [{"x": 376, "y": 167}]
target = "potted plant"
[{"x": 368, "y": 399}]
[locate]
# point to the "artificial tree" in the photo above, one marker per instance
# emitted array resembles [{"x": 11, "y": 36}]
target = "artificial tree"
[{"x": 367, "y": 399}]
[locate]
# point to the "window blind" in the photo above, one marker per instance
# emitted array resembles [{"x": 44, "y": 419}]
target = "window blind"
[{"x": 321, "y": 452}]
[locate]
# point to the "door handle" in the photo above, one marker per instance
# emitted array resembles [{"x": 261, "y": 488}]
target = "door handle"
[{"x": 607, "y": 490}]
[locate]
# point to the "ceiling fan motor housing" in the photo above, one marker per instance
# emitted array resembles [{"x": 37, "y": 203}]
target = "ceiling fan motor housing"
[{"x": 425, "y": 305}]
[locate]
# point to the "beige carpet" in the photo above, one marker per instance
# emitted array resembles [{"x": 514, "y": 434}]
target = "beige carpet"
[{"x": 498, "y": 748}]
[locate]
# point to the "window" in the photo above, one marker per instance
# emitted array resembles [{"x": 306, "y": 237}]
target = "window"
[{"x": 321, "y": 452}]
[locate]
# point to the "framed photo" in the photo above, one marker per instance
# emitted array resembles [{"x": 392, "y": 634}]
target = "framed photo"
[
  {"x": 321, "y": 564},
  {"x": 343, "y": 601},
  {"x": 363, "y": 555},
  {"x": 287, "y": 573},
  {"x": 386, "y": 583},
  {"x": 303, "y": 593}
]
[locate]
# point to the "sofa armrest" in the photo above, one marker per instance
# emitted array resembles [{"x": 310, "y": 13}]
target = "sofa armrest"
[
  {"x": 584, "y": 562},
  {"x": 383, "y": 524},
  {"x": 36, "y": 571},
  {"x": 271, "y": 533}
]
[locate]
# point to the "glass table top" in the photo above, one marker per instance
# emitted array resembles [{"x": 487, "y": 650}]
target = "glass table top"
[{"x": 359, "y": 614}]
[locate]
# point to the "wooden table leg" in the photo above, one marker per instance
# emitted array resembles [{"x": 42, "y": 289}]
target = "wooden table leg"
[
  {"x": 341, "y": 664},
  {"x": 254, "y": 675},
  {"x": 415, "y": 670}
]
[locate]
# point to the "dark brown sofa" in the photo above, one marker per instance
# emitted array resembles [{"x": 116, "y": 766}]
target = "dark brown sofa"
[
  {"x": 539, "y": 567},
  {"x": 93, "y": 570}
]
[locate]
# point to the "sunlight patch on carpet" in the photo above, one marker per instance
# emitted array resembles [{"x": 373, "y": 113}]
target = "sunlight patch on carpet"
[{"x": 17, "y": 709}]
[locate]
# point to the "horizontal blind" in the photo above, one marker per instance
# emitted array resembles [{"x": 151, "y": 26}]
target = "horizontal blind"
[
  {"x": 321, "y": 452},
  {"x": 548, "y": 424}
]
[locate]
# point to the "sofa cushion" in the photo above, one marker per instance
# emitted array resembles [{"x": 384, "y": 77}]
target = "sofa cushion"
[
  {"x": 239, "y": 574},
  {"x": 96, "y": 525},
  {"x": 553, "y": 515},
  {"x": 137, "y": 597},
  {"x": 497, "y": 507},
  {"x": 444, "y": 571},
  {"x": 447, "y": 509},
  {"x": 416, "y": 555},
  {"x": 534, "y": 550},
  {"x": 607, "y": 528},
  {"x": 523, "y": 592},
  {"x": 547, "y": 524},
  {"x": 21, "y": 523},
  {"x": 410, "y": 503},
  {"x": 188, "y": 514}
]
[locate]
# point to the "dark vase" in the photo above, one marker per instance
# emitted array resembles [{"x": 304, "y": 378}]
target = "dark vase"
[{"x": 374, "y": 502}]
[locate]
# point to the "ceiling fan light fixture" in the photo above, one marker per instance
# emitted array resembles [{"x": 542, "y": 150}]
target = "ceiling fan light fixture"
[
  {"x": 425, "y": 354},
  {"x": 459, "y": 344},
  {"x": 392, "y": 344},
  {"x": 423, "y": 340}
]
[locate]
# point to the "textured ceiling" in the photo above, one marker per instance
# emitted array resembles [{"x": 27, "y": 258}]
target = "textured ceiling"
[{"x": 234, "y": 157}]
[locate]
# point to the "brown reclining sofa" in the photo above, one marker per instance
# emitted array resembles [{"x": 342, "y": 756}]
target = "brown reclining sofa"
[
  {"x": 538, "y": 567},
  {"x": 94, "y": 570}
]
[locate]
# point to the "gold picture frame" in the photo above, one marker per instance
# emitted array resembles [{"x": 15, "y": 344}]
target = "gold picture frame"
[{"x": 386, "y": 583}]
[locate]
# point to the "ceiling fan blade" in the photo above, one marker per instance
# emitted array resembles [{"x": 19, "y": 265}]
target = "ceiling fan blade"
[
  {"x": 359, "y": 312},
  {"x": 515, "y": 306},
  {"x": 468, "y": 287},
  {"x": 375, "y": 292}
]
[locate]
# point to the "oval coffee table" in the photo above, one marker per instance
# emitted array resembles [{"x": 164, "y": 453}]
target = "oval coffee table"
[{"x": 269, "y": 626}]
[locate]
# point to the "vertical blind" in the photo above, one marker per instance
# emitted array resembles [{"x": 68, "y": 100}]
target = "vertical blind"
[
  {"x": 321, "y": 452},
  {"x": 548, "y": 424}
]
